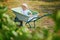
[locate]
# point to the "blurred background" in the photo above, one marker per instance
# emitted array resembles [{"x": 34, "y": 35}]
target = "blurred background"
[{"x": 47, "y": 28}]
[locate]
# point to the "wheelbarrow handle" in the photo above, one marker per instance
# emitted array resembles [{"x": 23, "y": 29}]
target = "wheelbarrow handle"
[{"x": 37, "y": 18}]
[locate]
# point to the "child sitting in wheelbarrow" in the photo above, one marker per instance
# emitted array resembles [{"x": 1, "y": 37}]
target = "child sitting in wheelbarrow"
[{"x": 25, "y": 10}]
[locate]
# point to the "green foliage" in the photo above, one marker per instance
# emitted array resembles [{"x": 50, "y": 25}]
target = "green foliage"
[
  {"x": 56, "y": 18},
  {"x": 2, "y": 11},
  {"x": 56, "y": 37}
]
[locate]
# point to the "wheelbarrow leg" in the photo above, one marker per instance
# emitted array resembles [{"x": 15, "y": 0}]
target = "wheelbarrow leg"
[
  {"x": 29, "y": 25},
  {"x": 34, "y": 24}
]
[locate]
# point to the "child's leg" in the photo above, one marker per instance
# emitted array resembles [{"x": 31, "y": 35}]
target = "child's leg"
[
  {"x": 21, "y": 23},
  {"x": 17, "y": 20}
]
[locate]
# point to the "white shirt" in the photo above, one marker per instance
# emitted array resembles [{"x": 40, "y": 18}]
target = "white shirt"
[{"x": 26, "y": 12}]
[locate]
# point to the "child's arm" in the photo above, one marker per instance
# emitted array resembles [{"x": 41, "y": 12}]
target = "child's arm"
[{"x": 30, "y": 13}]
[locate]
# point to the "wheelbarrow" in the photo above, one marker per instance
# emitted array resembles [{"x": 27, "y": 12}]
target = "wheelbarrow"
[{"x": 27, "y": 19}]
